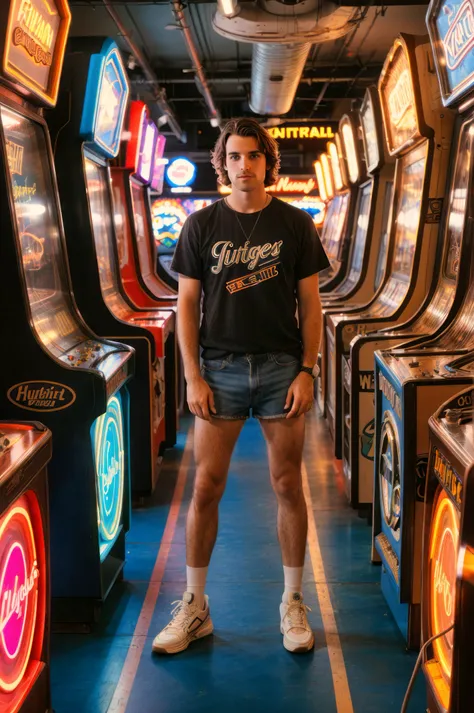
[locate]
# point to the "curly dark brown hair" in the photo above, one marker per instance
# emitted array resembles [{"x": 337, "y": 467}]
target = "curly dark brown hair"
[{"x": 246, "y": 127}]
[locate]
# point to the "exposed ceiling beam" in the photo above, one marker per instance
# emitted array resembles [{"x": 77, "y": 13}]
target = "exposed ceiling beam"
[{"x": 317, "y": 76}]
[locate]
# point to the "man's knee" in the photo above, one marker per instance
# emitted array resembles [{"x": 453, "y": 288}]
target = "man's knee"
[
  {"x": 208, "y": 488},
  {"x": 287, "y": 484}
]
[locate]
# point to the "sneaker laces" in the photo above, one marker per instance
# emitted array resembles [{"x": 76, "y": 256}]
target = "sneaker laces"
[
  {"x": 296, "y": 614},
  {"x": 180, "y": 614}
]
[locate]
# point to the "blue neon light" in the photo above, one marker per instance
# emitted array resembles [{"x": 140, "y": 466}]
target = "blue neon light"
[
  {"x": 105, "y": 100},
  {"x": 180, "y": 172},
  {"x": 107, "y": 435},
  {"x": 451, "y": 26}
]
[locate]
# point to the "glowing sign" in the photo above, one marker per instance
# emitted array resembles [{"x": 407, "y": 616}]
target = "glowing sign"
[
  {"x": 301, "y": 132},
  {"x": 35, "y": 42},
  {"x": 444, "y": 539},
  {"x": 284, "y": 184},
  {"x": 21, "y": 594},
  {"x": 147, "y": 152},
  {"x": 159, "y": 164},
  {"x": 451, "y": 26},
  {"x": 105, "y": 100},
  {"x": 142, "y": 145},
  {"x": 336, "y": 166},
  {"x": 398, "y": 98},
  {"x": 350, "y": 150},
  {"x": 108, "y": 444},
  {"x": 328, "y": 182},
  {"x": 311, "y": 205},
  {"x": 320, "y": 177},
  {"x": 180, "y": 172}
]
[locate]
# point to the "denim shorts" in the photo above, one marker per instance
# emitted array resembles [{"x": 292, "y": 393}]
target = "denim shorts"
[{"x": 250, "y": 384}]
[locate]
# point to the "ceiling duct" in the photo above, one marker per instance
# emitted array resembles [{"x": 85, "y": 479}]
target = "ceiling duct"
[
  {"x": 276, "y": 72},
  {"x": 282, "y": 34}
]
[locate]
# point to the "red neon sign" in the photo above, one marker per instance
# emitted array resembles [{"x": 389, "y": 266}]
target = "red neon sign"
[{"x": 22, "y": 592}]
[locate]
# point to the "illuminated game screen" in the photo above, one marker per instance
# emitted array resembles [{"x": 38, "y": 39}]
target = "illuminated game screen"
[
  {"x": 362, "y": 227},
  {"x": 168, "y": 216},
  {"x": 339, "y": 220},
  {"x": 408, "y": 216},
  {"x": 44, "y": 265}
]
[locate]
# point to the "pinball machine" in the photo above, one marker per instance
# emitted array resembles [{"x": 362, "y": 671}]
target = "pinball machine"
[
  {"x": 335, "y": 238},
  {"x": 57, "y": 367},
  {"x": 369, "y": 241},
  {"x": 132, "y": 216},
  {"x": 369, "y": 231},
  {"x": 94, "y": 93},
  {"x": 418, "y": 133},
  {"x": 25, "y": 450},
  {"x": 412, "y": 380},
  {"x": 448, "y": 557}
]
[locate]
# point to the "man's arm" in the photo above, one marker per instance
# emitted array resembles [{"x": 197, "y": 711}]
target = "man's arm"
[
  {"x": 310, "y": 318},
  {"x": 300, "y": 394},
  {"x": 200, "y": 396}
]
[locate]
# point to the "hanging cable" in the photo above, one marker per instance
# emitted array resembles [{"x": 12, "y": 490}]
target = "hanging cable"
[{"x": 406, "y": 700}]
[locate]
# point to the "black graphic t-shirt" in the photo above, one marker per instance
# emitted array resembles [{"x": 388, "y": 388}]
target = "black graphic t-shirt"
[{"x": 249, "y": 286}]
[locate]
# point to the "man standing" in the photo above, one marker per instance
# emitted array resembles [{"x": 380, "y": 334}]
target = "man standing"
[{"x": 255, "y": 261}]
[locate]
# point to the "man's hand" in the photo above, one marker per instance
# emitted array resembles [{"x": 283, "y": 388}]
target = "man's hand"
[
  {"x": 300, "y": 395},
  {"x": 200, "y": 398}
]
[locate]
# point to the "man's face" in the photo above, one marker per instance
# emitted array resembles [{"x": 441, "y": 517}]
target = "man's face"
[{"x": 245, "y": 163}]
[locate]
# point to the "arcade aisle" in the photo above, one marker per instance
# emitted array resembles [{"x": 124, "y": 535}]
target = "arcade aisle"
[{"x": 243, "y": 666}]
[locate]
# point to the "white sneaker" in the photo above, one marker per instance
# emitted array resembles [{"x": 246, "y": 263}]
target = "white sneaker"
[
  {"x": 297, "y": 634},
  {"x": 189, "y": 622}
]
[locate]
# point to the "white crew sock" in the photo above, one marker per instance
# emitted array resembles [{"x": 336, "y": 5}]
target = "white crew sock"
[
  {"x": 293, "y": 581},
  {"x": 196, "y": 583}
]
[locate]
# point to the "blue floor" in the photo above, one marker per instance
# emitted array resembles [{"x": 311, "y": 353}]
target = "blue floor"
[{"x": 243, "y": 666}]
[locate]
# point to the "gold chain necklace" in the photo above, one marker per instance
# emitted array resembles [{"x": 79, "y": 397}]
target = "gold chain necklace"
[{"x": 248, "y": 237}]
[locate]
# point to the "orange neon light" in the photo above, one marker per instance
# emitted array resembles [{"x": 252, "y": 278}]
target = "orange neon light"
[
  {"x": 22, "y": 512},
  {"x": 320, "y": 177},
  {"x": 336, "y": 166},
  {"x": 45, "y": 49},
  {"x": 444, "y": 543},
  {"x": 328, "y": 180}
]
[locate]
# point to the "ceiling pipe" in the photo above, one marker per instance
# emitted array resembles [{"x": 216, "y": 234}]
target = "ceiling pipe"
[
  {"x": 343, "y": 79},
  {"x": 203, "y": 86},
  {"x": 159, "y": 94}
]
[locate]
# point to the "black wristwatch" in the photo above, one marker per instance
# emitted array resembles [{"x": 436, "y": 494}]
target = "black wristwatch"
[{"x": 307, "y": 370}]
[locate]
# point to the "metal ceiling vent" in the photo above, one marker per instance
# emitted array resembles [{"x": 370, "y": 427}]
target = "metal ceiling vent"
[{"x": 282, "y": 33}]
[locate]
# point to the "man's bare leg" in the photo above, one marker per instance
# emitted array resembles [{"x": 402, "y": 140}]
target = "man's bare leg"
[
  {"x": 285, "y": 439},
  {"x": 214, "y": 442}
]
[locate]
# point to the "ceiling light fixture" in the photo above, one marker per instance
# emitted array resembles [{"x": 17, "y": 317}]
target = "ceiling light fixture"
[{"x": 228, "y": 8}]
